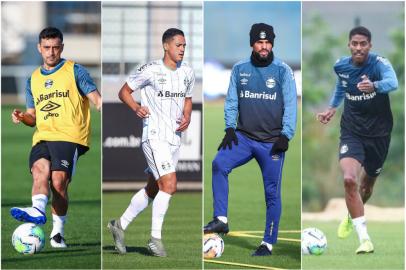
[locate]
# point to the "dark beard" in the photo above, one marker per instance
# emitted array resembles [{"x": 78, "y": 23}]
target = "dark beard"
[{"x": 259, "y": 61}]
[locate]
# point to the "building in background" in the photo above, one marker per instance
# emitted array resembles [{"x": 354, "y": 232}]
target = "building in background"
[{"x": 78, "y": 21}]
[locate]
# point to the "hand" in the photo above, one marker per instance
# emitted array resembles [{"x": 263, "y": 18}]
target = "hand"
[
  {"x": 142, "y": 112},
  {"x": 365, "y": 85},
  {"x": 228, "y": 139},
  {"x": 184, "y": 123},
  {"x": 325, "y": 117},
  {"x": 17, "y": 116},
  {"x": 280, "y": 145}
]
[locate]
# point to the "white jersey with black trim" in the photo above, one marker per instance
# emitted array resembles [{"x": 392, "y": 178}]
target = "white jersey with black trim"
[{"x": 163, "y": 91}]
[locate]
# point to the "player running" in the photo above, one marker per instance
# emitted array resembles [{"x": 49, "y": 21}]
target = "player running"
[
  {"x": 166, "y": 105},
  {"x": 364, "y": 80},
  {"x": 260, "y": 115},
  {"x": 57, "y": 101}
]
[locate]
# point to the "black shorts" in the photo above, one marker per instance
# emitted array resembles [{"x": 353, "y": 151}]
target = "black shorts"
[
  {"x": 370, "y": 152},
  {"x": 63, "y": 155}
]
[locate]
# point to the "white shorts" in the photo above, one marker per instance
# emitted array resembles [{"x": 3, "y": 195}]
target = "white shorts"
[{"x": 161, "y": 157}]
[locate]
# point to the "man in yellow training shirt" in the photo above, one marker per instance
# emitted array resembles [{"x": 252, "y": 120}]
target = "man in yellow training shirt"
[{"x": 57, "y": 101}]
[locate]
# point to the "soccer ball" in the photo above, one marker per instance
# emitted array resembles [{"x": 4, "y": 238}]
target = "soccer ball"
[
  {"x": 28, "y": 238},
  {"x": 213, "y": 246},
  {"x": 314, "y": 241}
]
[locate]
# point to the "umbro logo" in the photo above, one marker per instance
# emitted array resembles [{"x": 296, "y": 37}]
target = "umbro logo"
[
  {"x": 50, "y": 106},
  {"x": 65, "y": 163}
]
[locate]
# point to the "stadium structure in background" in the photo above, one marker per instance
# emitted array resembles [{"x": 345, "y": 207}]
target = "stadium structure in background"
[
  {"x": 131, "y": 35},
  {"x": 80, "y": 23}
]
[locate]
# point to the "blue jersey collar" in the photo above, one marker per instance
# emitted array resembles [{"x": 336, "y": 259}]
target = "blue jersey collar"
[{"x": 55, "y": 69}]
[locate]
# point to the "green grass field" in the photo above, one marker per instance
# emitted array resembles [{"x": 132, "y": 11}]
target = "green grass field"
[
  {"x": 181, "y": 234},
  {"x": 388, "y": 239},
  {"x": 82, "y": 231},
  {"x": 247, "y": 203}
]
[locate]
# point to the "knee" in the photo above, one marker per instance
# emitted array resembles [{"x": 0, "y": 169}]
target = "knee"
[
  {"x": 367, "y": 190},
  {"x": 40, "y": 171},
  {"x": 60, "y": 181},
  {"x": 168, "y": 185},
  {"x": 218, "y": 166},
  {"x": 350, "y": 181}
]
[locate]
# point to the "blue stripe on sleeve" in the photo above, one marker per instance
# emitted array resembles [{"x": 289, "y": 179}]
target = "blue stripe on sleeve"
[
  {"x": 231, "y": 102},
  {"x": 84, "y": 82},
  {"x": 338, "y": 95},
  {"x": 389, "y": 82},
  {"x": 29, "y": 99},
  {"x": 290, "y": 104}
]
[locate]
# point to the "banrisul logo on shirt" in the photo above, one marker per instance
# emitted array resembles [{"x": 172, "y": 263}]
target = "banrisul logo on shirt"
[
  {"x": 169, "y": 94},
  {"x": 48, "y": 83}
]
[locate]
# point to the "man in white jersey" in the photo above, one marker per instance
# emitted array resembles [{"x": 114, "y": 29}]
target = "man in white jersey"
[{"x": 166, "y": 106}]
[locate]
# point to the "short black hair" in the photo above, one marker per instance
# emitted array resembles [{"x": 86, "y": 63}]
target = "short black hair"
[
  {"x": 50, "y": 32},
  {"x": 360, "y": 30},
  {"x": 170, "y": 33}
]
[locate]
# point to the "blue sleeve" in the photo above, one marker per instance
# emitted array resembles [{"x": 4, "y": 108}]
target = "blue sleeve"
[
  {"x": 29, "y": 99},
  {"x": 389, "y": 82},
  {"x": 290, "y": 104},
  {"x": 84, "y": 82},
  {"x": 338, "y": 95},
  {"x": 231, "y": 102}
]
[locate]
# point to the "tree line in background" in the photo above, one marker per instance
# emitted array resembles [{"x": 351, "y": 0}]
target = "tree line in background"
[{"x": 322, "y": 178}]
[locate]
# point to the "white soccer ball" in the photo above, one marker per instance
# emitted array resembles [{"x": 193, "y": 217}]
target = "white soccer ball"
[
  {"x": 314, "y": 242},
  {"x": 28, "y": 238},
  {"x": 213, "y": 246}
]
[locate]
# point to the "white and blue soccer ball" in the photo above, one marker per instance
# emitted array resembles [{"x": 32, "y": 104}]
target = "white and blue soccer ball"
[
  {"x": 213, "y": 246},
  {"x": 28, "y": 238},
  {"x": 314, "y": 242}
]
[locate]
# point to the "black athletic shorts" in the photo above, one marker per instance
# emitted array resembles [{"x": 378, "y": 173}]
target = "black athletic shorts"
[
  {"x": 63, "y": 155},
  {"x": 370, "y": 152}
]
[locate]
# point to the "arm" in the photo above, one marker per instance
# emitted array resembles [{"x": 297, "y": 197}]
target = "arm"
[
  {"x": 336, "y": 99},
  {"x": 187, "y": 112},
  {"x": 95, "y": 98},
  {"x": 27, "y": 118},
  {"x": 125, "y": 96},
  {"x": 290, "y": 104},
  {"x": 389, "y": 82},
  {"x": 231, "y": 102}
]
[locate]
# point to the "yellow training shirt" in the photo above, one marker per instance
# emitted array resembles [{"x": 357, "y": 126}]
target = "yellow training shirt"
[{"x": 62, "y": 113}]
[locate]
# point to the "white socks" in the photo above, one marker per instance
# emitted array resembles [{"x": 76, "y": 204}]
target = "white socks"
[
  {"x": 138, "y": 203},
  {"x": 40, "y": 201},
  {"x": 159, "y": 208},
  {"x": 223, "y": 219},
  {"x": 58, "y": 223},
  {"x": 269, "y": 246},
  {"x": 360, "y": 225}
]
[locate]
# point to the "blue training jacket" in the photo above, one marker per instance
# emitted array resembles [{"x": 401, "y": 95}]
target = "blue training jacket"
[
  {"x": 367, "y": 115},
  {"x": 262, "y": 101}
]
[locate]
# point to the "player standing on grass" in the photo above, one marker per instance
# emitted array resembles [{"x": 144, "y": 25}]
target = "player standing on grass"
[
  {"x": 57, "y": 101},
  {"x": 363, "y": 80},
  {"x": 260, "y": 115},
  {"x": 166, "y": 105}
]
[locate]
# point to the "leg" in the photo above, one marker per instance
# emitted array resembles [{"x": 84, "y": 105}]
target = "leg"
[
  {"x": 271, "y": 168},
  {"x": 59, "y": 187},
  {"x": 367, "y": 185},
  {"x": 224, "y": 162},
  {"x": 351, "y": 168},
  {"x": 40, "y": 174}
]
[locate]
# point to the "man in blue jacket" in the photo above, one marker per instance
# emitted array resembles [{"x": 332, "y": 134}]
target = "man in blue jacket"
[
  {"x": 364, "y": 80},
  {"x": 260, "y": 117}
]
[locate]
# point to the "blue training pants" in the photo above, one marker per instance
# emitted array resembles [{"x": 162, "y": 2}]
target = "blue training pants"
[{"x": 271, "y": 168}]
